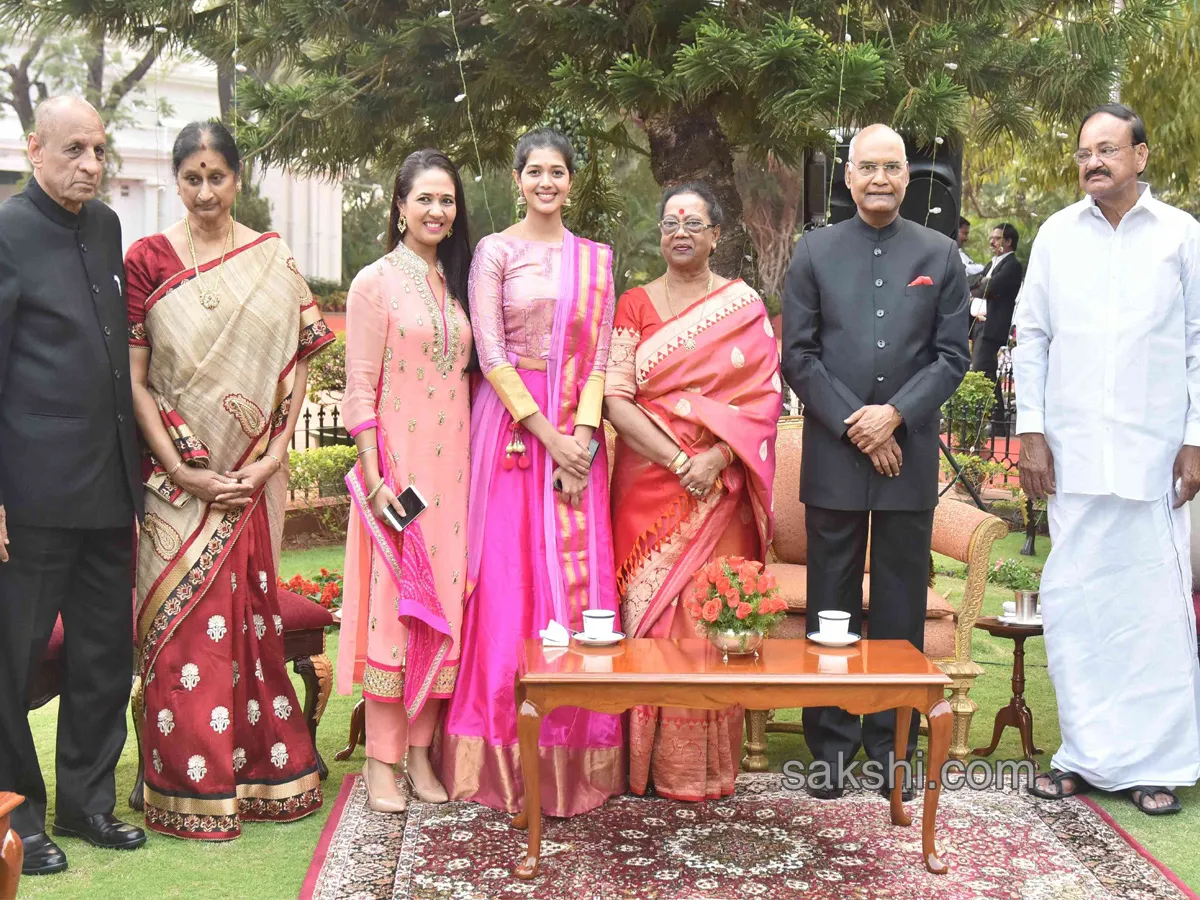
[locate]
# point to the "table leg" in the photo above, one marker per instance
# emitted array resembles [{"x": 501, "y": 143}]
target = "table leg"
[
  {"x": 940, "y": 720},
  {"x": 529, "y": 727},
  {"x": 903, "y": 720},
  {"x": 1016, "y": 713},
  {"x": 1022, "y": 713}
]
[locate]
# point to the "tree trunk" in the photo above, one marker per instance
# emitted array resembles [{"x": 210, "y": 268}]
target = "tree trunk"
[
  {"x": 687, "y": 145},
  {"x": 22, "y": 86},
  {"x": 225, "y": 76},
  {"x": 94, "y": 91}
]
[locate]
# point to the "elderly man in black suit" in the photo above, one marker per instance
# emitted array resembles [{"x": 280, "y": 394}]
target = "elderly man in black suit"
[
  {"x": 996, "y": 295},
  {"x": 874, "y": 341},
  {"x": 69, "y": 485}
]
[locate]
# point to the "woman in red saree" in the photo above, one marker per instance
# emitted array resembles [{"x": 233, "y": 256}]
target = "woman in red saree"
[
  {"x": 221, "y": 326},
  {"x": 694, "y": 392}
]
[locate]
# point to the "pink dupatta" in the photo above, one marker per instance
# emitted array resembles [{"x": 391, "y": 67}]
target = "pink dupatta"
[{"x": 407, "y": 562}]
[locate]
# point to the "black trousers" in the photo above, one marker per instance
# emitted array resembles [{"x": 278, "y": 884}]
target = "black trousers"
[
  {"x": 837, "y": 554},
  {"x": 984, "y": 359},
  {"x": 86, "y": 575}
]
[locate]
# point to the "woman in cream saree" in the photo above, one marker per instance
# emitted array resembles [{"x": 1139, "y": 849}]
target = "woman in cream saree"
[{"x": 220, "y": 354}]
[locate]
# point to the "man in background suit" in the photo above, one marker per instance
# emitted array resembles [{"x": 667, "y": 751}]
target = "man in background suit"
[
  {"x": 874, "y": 341},
  {"x": 996, "y": 296},
  {"x": 69, "y": 485}
]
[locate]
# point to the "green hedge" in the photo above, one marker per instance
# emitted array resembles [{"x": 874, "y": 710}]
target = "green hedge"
[{"x": 321, "y": 470}]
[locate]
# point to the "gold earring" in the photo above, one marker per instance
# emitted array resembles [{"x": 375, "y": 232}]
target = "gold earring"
[
  {"x": 402, "y": 226},
  {"x": 450, "y": 232},
  {"x": 567, "y": 202}
]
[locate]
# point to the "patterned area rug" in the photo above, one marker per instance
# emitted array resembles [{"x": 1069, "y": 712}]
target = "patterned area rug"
[{"x": 764, "y": 841}]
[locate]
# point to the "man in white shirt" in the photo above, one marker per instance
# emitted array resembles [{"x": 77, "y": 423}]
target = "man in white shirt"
[
  {"x": 1107, "y": 368},
  {"x": 972, "y": 268}
]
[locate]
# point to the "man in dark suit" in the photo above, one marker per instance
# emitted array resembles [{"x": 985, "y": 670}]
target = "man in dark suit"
[
  {"x": 997, "y": 290},
  {"x": 69, "y": 485},
  {"x": 874, "y": 341}
]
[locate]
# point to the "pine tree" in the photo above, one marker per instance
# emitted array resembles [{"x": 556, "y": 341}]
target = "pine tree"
[{"x": 371, "y": 80}]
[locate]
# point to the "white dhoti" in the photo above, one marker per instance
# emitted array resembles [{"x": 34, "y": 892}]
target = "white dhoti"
[{"x": 1121, "y": 641}]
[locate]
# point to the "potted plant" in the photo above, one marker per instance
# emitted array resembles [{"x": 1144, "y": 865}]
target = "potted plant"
[{"x": 735, "y": 604}]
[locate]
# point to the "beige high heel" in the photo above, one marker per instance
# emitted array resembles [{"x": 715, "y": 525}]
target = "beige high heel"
[
  {"x": 422, "y": 797},
  {"x": 383, "y": 804}
]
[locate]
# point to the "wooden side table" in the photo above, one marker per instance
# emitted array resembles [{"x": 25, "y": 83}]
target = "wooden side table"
[{"x": 1016, "y": 714}]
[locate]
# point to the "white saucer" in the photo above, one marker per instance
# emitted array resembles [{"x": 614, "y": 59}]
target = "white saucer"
[
  {"x": 607, "y": 641},
  {"x": 1013, "y": 620},
  {"x": 829, "y": 641}
]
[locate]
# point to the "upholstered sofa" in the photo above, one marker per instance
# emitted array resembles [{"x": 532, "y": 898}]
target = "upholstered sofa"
[{"x": 960, "y": 531}]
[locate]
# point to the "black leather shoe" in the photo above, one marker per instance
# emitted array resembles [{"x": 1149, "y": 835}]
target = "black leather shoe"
[
  {"x": 102, "y": 830},
  {"x": 908, "y": 794},
  {"x": 824, "y": 793},
  {"x": 42, "y": 856}
]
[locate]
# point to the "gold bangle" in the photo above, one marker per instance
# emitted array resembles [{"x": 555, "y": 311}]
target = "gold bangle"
[
  {"x": 175, "y": 468},
  {"x": 278, "y": 461},
  {"x": 375, "y": 490},
  {"x": 726, "y": 452},
  {"x": 677, "y": 462}
]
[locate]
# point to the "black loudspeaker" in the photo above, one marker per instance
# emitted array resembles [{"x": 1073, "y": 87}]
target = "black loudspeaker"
[{"x": 934, "y": 195}]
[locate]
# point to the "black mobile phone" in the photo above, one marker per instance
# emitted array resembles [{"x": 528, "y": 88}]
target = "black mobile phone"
[
  {"x": 593, "y": 449},
  {"x": 413, "y": 504}
]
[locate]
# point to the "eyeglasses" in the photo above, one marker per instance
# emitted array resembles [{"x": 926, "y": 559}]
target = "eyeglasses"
[
  {"x": 891, "y": 169},
  {"x": 669, "y": 226},
  {"x": 1108, "y": 151}
]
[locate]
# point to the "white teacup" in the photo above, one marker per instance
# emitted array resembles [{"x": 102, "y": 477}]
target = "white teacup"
[
  {"x": 598, "y": 623},
  {"x": 834, "y": 623}
]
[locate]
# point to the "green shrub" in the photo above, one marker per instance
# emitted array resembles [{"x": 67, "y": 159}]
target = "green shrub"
[
  {"x": 323, "y": 287},
  {"x": 327, "y": 371},
  {"x": 334, "y": 301},
  {"x": 1014, "y": 575},
  {"x": 321, "y": 470},
  {"x": 969, "y": 409}
]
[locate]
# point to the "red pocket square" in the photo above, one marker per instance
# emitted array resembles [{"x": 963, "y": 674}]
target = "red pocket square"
[{"x": 920, "y": 280}]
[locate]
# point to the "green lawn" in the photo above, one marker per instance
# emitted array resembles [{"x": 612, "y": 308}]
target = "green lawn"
[{"x": 270, "y": 861}]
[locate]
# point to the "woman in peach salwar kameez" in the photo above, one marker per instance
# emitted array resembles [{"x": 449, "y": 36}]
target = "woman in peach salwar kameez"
[
  {"x": 694, "y": 392},
  {"x": 543, "y": 304},
  {"x": 408, "y": 349}
]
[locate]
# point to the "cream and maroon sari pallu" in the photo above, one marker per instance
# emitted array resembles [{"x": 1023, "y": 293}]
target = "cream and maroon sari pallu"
[
  {"x": 223, "y": 735},
  {"x": 709, "y": 374}
]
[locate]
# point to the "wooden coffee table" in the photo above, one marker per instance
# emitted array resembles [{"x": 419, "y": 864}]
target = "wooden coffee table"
[{"x": 870, "y": 676}]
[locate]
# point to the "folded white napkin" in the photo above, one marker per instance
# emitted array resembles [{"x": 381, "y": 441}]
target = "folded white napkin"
[{"x": 555, "y": 635}]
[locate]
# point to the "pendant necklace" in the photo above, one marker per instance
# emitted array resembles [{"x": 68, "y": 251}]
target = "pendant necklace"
[
  {"x": 210, "y": 297},
  {"x": 689, "y": 343}
]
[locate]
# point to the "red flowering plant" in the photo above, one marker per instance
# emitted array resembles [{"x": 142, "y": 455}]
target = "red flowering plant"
[
  {"x": 325, "y": 589},
  {"x": 735, "y": 594}
]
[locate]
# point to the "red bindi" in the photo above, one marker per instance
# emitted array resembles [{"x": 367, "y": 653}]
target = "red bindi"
[{"x": 681, "y": 210}]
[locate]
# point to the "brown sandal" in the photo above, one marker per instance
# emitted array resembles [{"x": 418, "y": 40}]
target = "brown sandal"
[{"x": 1057, "y": 777}]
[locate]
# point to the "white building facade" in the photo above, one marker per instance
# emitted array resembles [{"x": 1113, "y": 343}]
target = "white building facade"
[{"x": 307, "y": 212}]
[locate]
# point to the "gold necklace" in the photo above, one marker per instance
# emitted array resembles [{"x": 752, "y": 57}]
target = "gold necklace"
[
  {"x": 690, "y": 342},
  {"x": 210, "y": 297}
]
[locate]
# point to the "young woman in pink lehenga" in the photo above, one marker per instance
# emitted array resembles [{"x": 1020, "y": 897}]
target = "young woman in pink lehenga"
[
  {"x": 408, "y": 351},
  {"x": 542, "y": 302}
]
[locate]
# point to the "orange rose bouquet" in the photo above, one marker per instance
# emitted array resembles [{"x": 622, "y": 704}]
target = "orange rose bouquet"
[{"x": 734, "y": 595}]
